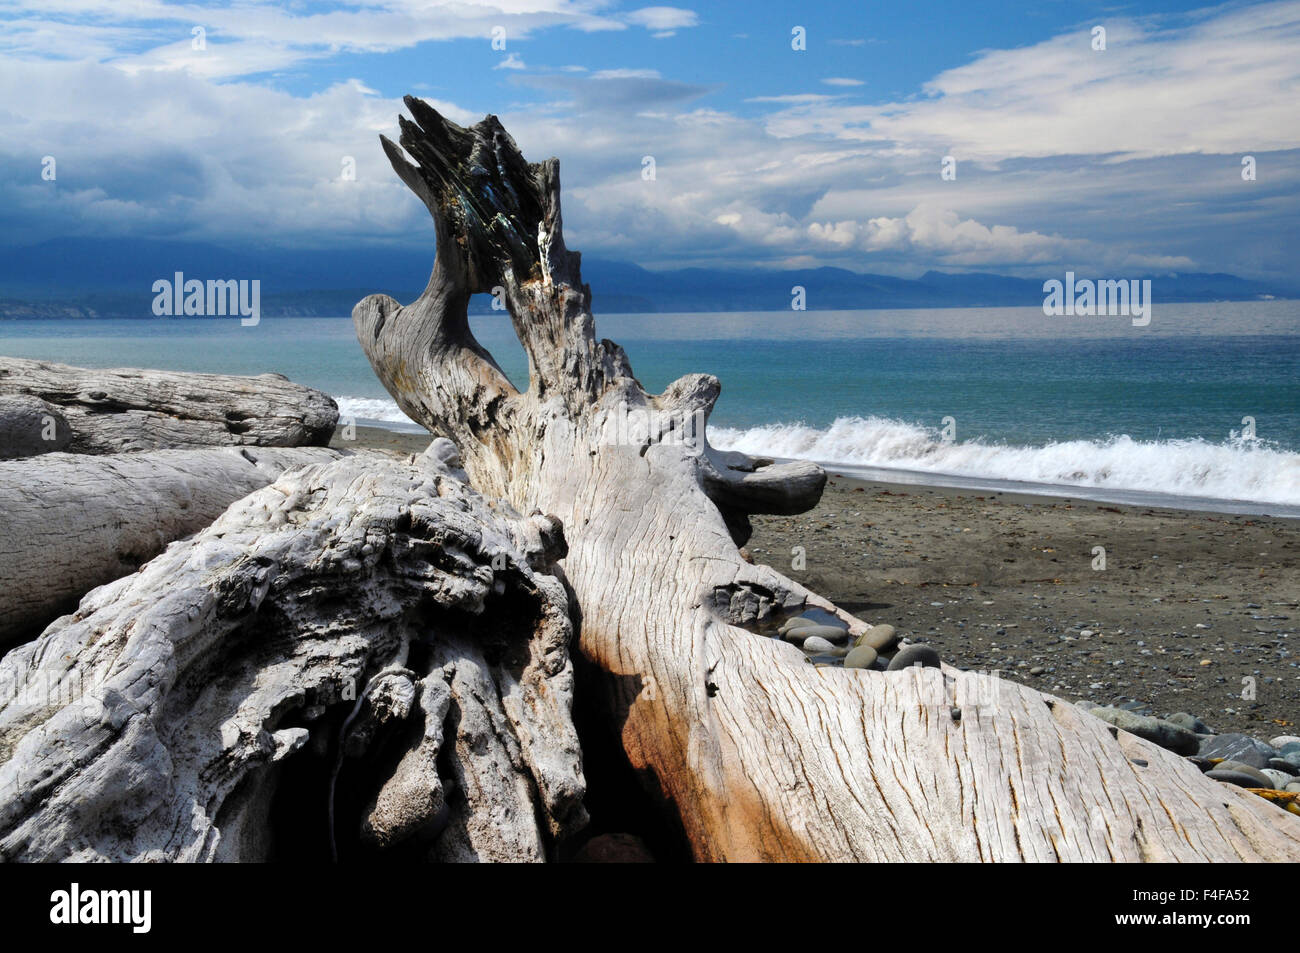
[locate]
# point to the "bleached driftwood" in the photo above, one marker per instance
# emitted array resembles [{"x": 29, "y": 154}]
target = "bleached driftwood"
[
  {"x": 122, "y": 409},
  {"x": 759, "y": 754},
  {"x": 30, "y": 426},
  {"x": 365, "y": 650},
  {"x": 70, "y": 522}
]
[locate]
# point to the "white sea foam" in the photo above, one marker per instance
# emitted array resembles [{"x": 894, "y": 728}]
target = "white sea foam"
[
  {"x": 1237, "y": 469},
  {"x": 379, "y": 409}
]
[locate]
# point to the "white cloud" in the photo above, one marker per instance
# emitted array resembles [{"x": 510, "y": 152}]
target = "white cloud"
[
  {"x": 512, "y": 61},
  {"x": 160, "y": 143},
  {"x": 1226, "y": 84},
  {"x": 663, "y": 19},
  {"x": 842, "y": 81}
]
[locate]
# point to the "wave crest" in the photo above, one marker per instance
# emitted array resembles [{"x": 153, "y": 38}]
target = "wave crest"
[{"x": 1239, "y": 468}]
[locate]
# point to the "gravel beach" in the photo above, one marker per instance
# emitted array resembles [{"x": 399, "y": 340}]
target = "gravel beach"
[{"x": 1189, "y": 604}]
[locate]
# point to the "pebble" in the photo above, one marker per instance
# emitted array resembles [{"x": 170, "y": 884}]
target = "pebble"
[
  {"x": 815, "y": 645},
  {"x": 1280, "y": 779},
  {"x": 1293, "y": 785},
  {"x": 1235, "y": 746},
  {"x": 861, "y": 656},
  {"x": 1262, "y": 780},
  {"x": 1156, "y": 730},
  {"x": 831, "y": 633},
  {"x": 910, "y": 655},
  {"x": 1281, "y": 741},
  {"x": 879, "y": 637},
  {"x": 798, "y": 622},
  {"x": 1190, "y": 722},
  {"x": 1234, "y": 777}
]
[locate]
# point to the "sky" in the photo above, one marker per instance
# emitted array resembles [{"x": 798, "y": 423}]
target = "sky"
[{"x": 234, "y": 122}]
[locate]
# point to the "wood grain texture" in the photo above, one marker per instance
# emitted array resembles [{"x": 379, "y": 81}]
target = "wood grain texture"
[
  {"x": 371, "y": 620},
  {"x": 126, "y": 409},
  {"x": 69, "y": 522},
  {"x": 758, "y": 754}
]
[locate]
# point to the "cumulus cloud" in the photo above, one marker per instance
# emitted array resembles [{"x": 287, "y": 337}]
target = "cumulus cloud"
[
  {"x": 1224, "y": 83},
  {"x": 1064, "y": 159},
  {"x": 663, "y": 20}
]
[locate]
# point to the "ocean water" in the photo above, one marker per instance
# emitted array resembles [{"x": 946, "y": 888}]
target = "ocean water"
[{"x": 1202, "y": 404}]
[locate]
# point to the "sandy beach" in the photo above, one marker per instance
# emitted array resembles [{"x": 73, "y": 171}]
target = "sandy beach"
[{"x": 1188, "y": 605}]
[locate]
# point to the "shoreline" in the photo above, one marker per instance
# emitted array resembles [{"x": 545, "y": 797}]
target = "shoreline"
[
  {"x": 893, "y": 476},
  {"x": 1188, "y": 605}
]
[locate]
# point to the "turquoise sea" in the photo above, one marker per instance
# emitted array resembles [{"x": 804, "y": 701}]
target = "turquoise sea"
[{"x": 1204, "y": 403}]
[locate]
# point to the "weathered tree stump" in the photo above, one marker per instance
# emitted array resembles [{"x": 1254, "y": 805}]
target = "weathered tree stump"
[{"x": 760, "y": 755}]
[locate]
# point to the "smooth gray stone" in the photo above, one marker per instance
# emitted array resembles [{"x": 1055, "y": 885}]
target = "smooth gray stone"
[
  {"x": 1293, "y": 785},
  {"x": 1183, "y": 720},
  {"x": 922, "y": 655},
  {"x": 1280, "y": 779},
  {"x": 861, "y": 656},
  {"x": 831, "y": 633},
  {"x": 1235, "y": 777},
  {"x": 1264, "y": 780},
  {"x": 879, "y": 637},
  {"x": 798, "y": 622},
  {"x": 1236, "y": 746},
  {"x": 1283, "y": 765},
  {"x": 1156, "y": 730},
  {"x": 815, "y": 645},
  {"x": 1281, "y": 741}
]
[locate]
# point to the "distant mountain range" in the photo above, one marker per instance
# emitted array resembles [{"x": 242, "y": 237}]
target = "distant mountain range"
[{"x": 114, "y": 278}]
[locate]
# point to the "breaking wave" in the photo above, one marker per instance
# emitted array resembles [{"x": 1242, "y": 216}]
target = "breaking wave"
[{"x": 1239, "y": 468}]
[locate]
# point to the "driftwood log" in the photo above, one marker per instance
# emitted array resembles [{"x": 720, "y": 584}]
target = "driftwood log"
[
  {"x": 757, "y": 753},
  {"x": 69, "y": 523},
  {"x": 123, "y": 409},
  {"x": 363, "y": 658},
  {"x": 31, "y": 426}
]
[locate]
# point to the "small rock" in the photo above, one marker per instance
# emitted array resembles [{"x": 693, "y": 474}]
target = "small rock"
[
  {"x": 1280, "y": 779},
  {"x": 1283, "y": 765},
  {"x": 1234, "y": 777},
  {"x": 1037, "y": 670},
  {"x": 1281, "y": 741},
  {"x": 815, "y": 645},
  {"x": 798, "y": 622},
  {"x": 861, "y": 656},
  {"x": 879, "y": 637},
  {"x": 1292, "y": 785},
  {"x": 1262, "y": 780},
  {"x": 1156, "y": 730},
  {"x": 831, "y": 633},
  {"x": 1190, "y": 722},
  {"x": 911, "y": 655},
  {"x": 1235, "y": 746}
]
